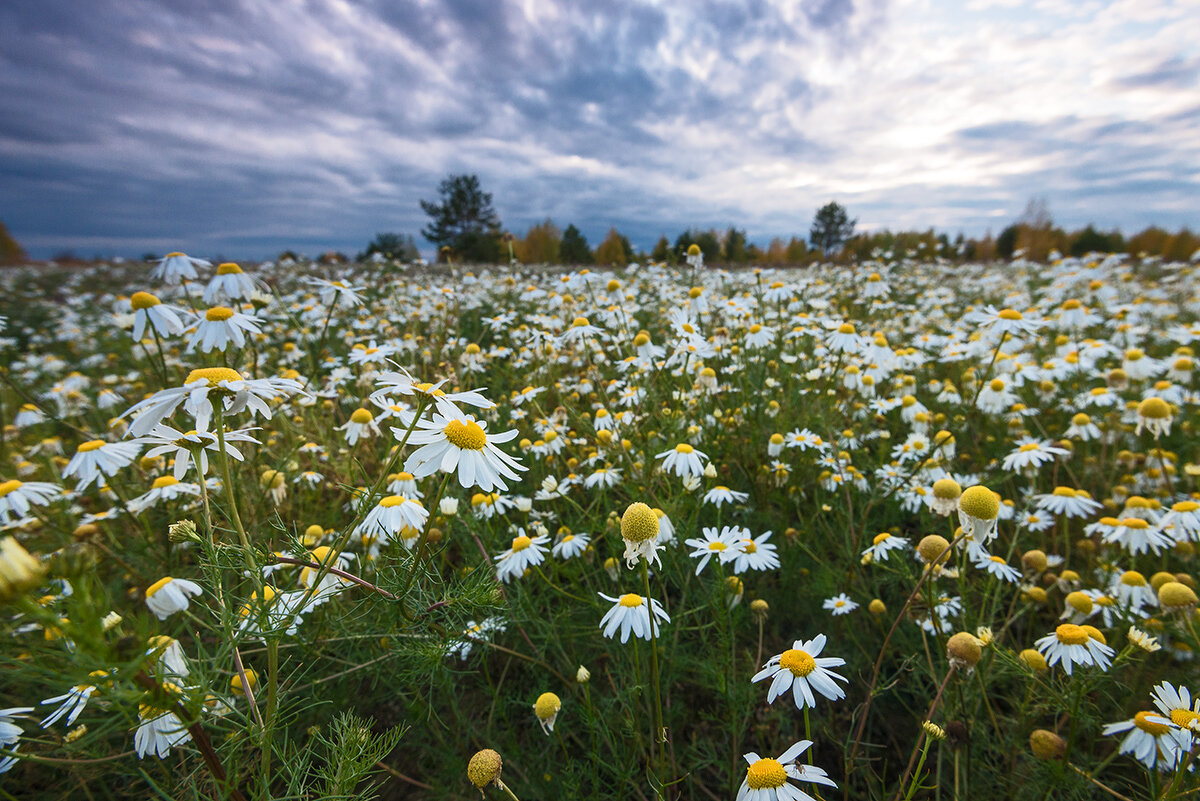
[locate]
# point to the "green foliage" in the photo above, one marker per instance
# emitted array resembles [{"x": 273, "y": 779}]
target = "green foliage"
[
  {"x": 400, "y": 247},
  {"x": 574, "y": 248},
  {"x": 708, "y": 241},
  {"x": 831, "y": 227},
  {"x": 464, "y": 220},
  {"x": 10, "y": 250},
  {"x": 734, "y": 246}
]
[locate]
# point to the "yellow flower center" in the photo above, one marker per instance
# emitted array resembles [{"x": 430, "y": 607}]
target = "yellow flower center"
[
  {"x": 395, "y": 500},
  {"x": 218, "y": 313},
  {"x": 547, "y": 706},
  {"x": 630, "y": 600},
  {"x": 1183, "y": 718},
  {"x": 466, "y": 434},
  {"x": 164, "y": 481},
  {"x": 1154, "y": 409},
  {"x": 1132, "y": 578},
  {"x": 879, "y": 538},
  {"x": 717, "y": 546},
  {"x": 799, "y": 662},
  {"x": 1149, "y": 726},
  {"x": 765, "y": 773},
  {"x": 228, "y": 268},
  {"x": 361, "y": 416},
  {"x": 158, "y": 585},
  {"x": 92, "y": 445},
  {"x": 980, "y": 503},
  {"x": 1069, "y": 634},
  {"x": 214, "y": 375},
  {"x": 579, "y": 322},
  {"x": 143, "y": 300},
  {"x": 1011, "y": 314},
  {"x": 639, "y": 523},
  {"x": 521, "y": 543},
  {"x": 845, "y": 328},
  {"x": 683, "y": 447}
]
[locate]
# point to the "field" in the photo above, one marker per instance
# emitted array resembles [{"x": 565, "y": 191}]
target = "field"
[{"x": 899, "y": 529}]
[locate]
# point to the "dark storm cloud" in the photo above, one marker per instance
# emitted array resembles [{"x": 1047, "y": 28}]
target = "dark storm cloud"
[{"x": 244, "y": 127}]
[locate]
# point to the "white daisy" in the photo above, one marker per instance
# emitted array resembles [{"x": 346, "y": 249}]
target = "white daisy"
[
  {"x": 839, "y": 605},
  {"x": 683, "y": 460},
  {"x": 18, "y": 497},
  {"x": 392, "y": 514},
  {"x": 159, "y": 730},
  {"x": 802, "y": 670},
  {"x": 767, "y": 779},
  {"x": 632, "y": 613},
  {"x": 184, "y": 449},
  {"x": 149, "y": 311},
  {"x": 1074, "y": 645},
  {"x": 881, "y": 545},
  {"x": 525, "y": 552},
  {"x": 723, "y": 544},
  {"x": 71, "y": 704},
  {"x": 236, "y": 393},
  {"x": 175, "y": 268},
  {"x": 570, "y": 546},
  {"x": 1153, "y": 739},
  {"x": 720, "y": 495},
  {"x": 462, "y": 445},
  {"x": 230, "y": 283},
  {"x": 754, "y": 554},
  {"x": 164, "y": 488},
  {"x": 169, "y": 595},
  {"x": 220, "y": 327},
  {"x": 97, "y": 458}
]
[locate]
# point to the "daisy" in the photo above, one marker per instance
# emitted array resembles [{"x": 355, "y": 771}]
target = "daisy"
[
  {"x": 1153, "y": 739},
  {"x": 169, "y": 595},
  {"x": 1031, "y": 453},
  {"x": 399, "y": 382},
  {"x": 767, "y": 779},
  {"x": 683, "y": 460},
  {"x": 1074, "y": 645},
  {"x": 754, "y": 554},
  {"x": 1154, "y": 415},
  {"x": 148, "y": 310},
  {"x": 97, "y": 458},
  {"x": 361, "y": 424},
  {"x": 159, "y": 729},
  {"x": 570, "y": 546},
  {"x": 459, "y": 444},
  {"x": 632, "y": 613},
  {"x": 184, "y": 449},
  {"x": 168, "y": 655},
  {"x": 720, "y": 495},
  {"x": 236, "y": 394},
  {"x": 332, "y": 292},
  {"x": 475, "y": 632},
  {"x": 404, "y": 484},
  {"x": 802, "y": 669},
  {"x": 1133, "y": 591},
  {"x": 996, "y": 566},
  {"x": 843, "y": 339},
  {"x": 175, "y": 268},
  {"x": 222, "y": 325},
  {"x": 839, "y": 605},
  {"x": 1067, "y": 501},
  {"x": 1182, "y": 522},
  {"x": 1137, "y": 536},
  {"x": 392, "y": 514},
  {"x": 164, "y": 488},
  {"x": 18, "y": 497},
  {"x": 71, "y": 704},
  {"x": 1177, "y": 704},
  {"x": 230, "y": 283},
  {"x": 881, "y": 545},
  {"x": 604, "y": 477},
  {"x": 978, "y": 513},
  {"x": 1006, "y": 321},
  {"x": 546, "y": 708},
  {"x": 723, "y": 544},
  {"x": 523, "y": 554}
]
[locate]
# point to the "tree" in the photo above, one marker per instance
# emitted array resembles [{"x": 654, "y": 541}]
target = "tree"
[
  {"x": 613, "y": 250},
  {"x": 392, "y": 246},
  {"x": 464, "y": 220},
  {"x": 708, "y": 242},
  {"x": 831, "y": 227},
  {"x": 797, "y": 250},
  {"x": 10, "y": 251},
  {"x": 663, "y": 252},
  {"x": 1089, "y": 240},
  {"x": 542, "y": 244},
  {"x": 735, "y": 245},
  {"x": 1006, "y": 243},
  {"x": 574, "y": 247}
]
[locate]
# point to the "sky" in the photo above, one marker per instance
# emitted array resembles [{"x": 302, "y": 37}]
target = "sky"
[{"x": 238, "y": 128}]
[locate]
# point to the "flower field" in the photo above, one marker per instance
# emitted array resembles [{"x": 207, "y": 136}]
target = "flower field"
[{"x": 901, "y": 529}]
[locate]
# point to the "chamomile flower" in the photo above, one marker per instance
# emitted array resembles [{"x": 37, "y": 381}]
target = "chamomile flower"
[
  {"x": 570, "y": 546},
  {"x": 632, "y": 614},
  {"x": 802, "y": 670},
  {"x": 524, "y": 552},
  {"x": 1182, "y": 522},
  {"x": 460, "y": 445},
  {"x": 96, "y": 458},
  {"x": 1006, "y": 321},
  {"x": 230, "y": 283},
  {"x": 1031, "y": 453},
  {"x": 881, "y": 545},
  {"x": 71, "y": 704},
  {"x": 720, "y": 495},
  {"x": 767, "y": 779},
  {"x": 1068, "y": 502},
  {"x": 192, "y": 447},
  {"x": 1154, "y": 415},
  {"x": 234, "y": 392},
  {"x": 220, "y": 327},
  {"x": 399, "y": 382},
  {"x": 150, "y": 312},
  {"x": 159, "y": 729},
  {"x": 1137, "y": 536},
  {"x": 1074, "y": 645},
  {"x": 169, "y": 595},
  {"x": 18, "y": 497},
  {"x": 996, "y": 566},
  {"x": 1153, "y": 739},
  {"x": 176, "y": 267},
  {"x": 361, "y": 424},
  {"x": 331, "y": 292},
  {"x": 1177, "y": 704},
  {"x": 978, "y": 512},
  {"x": 754, "y": 554},
  {"x": 164, "y": 488},
  {"x": 839, "y": 605},
  {"x": 723, "y": 544},
  {"x": 683, "y": 460},
  {"x": 391, "y": 514}
]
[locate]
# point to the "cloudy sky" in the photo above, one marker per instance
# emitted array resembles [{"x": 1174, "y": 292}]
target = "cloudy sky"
[{"x": 239, "y": 127}]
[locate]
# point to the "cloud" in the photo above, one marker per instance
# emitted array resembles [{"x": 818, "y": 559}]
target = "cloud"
[{"x": 245, "y": 127}]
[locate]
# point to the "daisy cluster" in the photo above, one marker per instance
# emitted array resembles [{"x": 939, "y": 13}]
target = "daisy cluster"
[{"x": 982, "y": 482}]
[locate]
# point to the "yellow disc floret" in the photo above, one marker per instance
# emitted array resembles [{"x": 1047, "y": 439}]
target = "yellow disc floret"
[
  {"x": 797, "y": 661},
  {"x": 639, "y": 523},
  {"x": 466, "y": 434},
  {"x": 980, "y": 503}
]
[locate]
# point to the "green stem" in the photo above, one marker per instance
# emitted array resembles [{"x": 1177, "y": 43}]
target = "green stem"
[{"x": 659, "y": 736}]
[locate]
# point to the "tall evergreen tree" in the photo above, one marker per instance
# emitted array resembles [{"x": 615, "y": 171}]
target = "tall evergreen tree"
[
  {"x": 831, "y": 227},
  {"x": 464, "y": 220},
  {"x": 574, "y": 247}
]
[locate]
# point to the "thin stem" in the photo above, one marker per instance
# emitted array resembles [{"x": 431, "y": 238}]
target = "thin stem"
[{"x": 659, "y": 735}]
